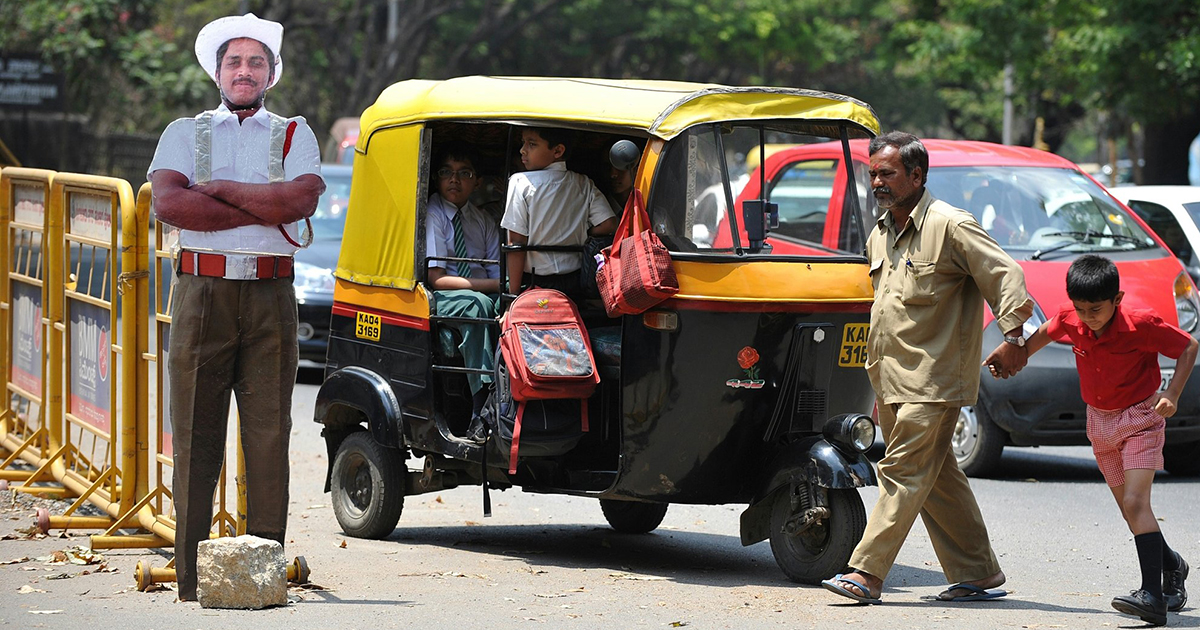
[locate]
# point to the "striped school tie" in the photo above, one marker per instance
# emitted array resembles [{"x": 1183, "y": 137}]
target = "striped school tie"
[{"x": 460, "y": 245}]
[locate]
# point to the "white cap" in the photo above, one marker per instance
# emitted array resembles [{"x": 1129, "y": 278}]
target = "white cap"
[{"x": 221, "y": 30}]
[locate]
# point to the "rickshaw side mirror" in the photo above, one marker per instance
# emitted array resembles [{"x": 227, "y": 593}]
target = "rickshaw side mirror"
[
  {"x": 624, "y": 154},
  {"x": 759, "y": 217}
]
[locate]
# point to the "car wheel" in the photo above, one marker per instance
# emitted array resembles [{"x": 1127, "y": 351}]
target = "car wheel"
[
  {"x": 633, "y": 517},
  {"x": 367, "y": 487},
  {"x": 1182, "y": 459},
  {"x": 824, "y": 547},
  {"x": 977, "y": 442}
]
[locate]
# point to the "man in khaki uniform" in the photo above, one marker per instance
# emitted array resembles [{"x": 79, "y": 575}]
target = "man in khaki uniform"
[{"x": 932, "y": 266}]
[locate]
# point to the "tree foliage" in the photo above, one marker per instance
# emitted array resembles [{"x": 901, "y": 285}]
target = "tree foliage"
[{"x": 934, "y": 66}]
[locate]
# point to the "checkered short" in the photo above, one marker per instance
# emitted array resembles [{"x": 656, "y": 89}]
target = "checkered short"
[{"x": 1126, "y": 439}]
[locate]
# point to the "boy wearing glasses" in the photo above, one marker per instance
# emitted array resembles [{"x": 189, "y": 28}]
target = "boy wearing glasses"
[
  {"x": 549, "y": 205},
  {"x": 455, "y": 228}
]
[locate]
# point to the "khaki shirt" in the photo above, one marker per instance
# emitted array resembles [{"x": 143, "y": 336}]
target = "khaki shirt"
[{"x": 927, "y": 320}]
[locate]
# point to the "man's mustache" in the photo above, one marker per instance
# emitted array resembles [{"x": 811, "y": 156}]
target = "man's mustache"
[{"x": 881, "y": 190}]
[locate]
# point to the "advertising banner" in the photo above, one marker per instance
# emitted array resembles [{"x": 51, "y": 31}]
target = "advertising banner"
[
  {"x": 28, "y": 204},
  {"x": 26, "y": 335},
  {"x": 91, "y": 399},
  {"x": 91, "y": 216}
]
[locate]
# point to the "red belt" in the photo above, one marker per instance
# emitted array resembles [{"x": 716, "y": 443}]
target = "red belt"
[{"x": 234, "y": 266}]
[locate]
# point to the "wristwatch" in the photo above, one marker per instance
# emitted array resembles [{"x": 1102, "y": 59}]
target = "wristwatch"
[{"x": 1016, "y": 341}]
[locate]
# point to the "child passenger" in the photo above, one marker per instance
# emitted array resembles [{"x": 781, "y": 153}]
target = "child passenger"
[
  {"x": 456, "y": 228},
  {"x": 1116, "y": 354},
  {"x": 549, "y": 205}
]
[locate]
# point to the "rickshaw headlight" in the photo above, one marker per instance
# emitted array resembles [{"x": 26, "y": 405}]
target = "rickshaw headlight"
[{"x": 851, "y": 431}]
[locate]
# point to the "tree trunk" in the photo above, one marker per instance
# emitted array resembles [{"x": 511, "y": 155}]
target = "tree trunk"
[{"x": 1166, "y": 148}]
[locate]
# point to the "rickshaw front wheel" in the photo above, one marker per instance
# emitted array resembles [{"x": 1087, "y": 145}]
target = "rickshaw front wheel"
[
  {"x": 367, "y": 487},
  {"x": 823, "y": 548},
  {"x": 633, "y": 517}
]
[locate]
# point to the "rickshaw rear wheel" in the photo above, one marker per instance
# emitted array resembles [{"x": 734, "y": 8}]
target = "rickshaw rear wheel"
[
  {"x": 367, "y": 487},
  {"x": 824, "y": 548},
  {"x": 633, "y": 517}
]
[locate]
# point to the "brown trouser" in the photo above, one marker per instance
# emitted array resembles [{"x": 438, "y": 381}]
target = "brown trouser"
[
  {"x": 919, "y": 475},
  {"x": 230, "y": 336}
]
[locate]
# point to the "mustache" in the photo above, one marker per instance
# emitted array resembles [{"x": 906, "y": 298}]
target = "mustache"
[{"x": 881, "y": 190}]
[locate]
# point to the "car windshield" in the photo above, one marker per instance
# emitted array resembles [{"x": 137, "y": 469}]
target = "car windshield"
[
  {"x": 1040, "y": 209},
  {"x": 330, "y": 218}
]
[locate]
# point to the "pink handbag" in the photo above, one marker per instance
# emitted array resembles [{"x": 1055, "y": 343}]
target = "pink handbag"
[{"x": 637, "y": 272}]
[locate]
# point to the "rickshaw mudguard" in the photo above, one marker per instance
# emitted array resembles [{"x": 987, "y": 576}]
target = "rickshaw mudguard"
[
  {"x": 812, "y": 460},
  {"x": 348, "y": 396}
]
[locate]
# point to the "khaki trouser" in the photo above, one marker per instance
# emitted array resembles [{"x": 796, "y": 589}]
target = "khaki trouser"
[
  {"x": 919, "y": 474},
  {"x": 230, "y": 336}
]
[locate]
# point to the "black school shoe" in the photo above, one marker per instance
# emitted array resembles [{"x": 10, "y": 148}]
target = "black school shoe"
[
  {"x": 1141, "y": 604},
  {"x": 1173, "y": 591}
]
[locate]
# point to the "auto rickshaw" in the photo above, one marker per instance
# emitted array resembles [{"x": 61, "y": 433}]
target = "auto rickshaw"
[{"x": 747, "y": 387}]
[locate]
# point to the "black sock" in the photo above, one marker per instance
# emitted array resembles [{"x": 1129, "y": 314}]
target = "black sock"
[
  {"x": 1150, "y": 556},
  {"x": 1170, "y": 558}
]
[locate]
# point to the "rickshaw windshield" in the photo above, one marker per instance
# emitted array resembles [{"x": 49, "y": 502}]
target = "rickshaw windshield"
[{"x": 711, "y": 169}]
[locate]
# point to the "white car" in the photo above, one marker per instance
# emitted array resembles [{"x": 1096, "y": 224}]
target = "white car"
[{"x": 1174, "y": 213}]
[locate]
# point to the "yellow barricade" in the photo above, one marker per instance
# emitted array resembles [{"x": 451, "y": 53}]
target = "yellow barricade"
[
  {"x": 91, "y": 401},
  {"x": 79, "y": 274},
  {"x": 24, "y": 432}
]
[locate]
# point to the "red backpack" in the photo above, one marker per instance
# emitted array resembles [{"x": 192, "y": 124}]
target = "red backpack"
[{"x": 547, "y": 353}]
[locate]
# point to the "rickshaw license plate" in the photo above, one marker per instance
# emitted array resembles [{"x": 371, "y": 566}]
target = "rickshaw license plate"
[
  {"x": 854, "y": 346},
  {"x": 368, "y": 326}
]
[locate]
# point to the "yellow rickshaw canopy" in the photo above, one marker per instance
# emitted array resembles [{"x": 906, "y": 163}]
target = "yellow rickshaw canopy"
[
  {"x": 378, "y": 242},
  {"x": 661, "y": 108}
]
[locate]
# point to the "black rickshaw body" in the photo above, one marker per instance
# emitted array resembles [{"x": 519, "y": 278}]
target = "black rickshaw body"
[{"x": 748, "y": 386}]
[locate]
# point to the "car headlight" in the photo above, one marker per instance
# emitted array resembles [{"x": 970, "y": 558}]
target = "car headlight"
[
  {"x": 312, "y": 280},
  {"x": 1186, "y": 305},
  {"x": 852, "y": 431}
]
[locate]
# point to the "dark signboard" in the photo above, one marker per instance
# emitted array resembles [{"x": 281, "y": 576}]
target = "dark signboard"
[{"x": 27, "y": 82}]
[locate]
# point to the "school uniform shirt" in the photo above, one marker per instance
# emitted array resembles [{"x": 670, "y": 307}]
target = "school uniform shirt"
[
  {"x": 1119, "y": 369},
  {"x": 930, "y": 282},
  {"x": 240, "y": 153},
  {"x": 479, "y": 231},
  {"x": 553, "y": 206}
]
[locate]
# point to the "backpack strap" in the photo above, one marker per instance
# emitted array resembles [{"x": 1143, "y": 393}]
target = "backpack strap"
[{"x": 512, "y": 452}]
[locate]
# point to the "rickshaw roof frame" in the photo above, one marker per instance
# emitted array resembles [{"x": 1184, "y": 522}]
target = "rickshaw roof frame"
[{"x": 661, "y": 109}]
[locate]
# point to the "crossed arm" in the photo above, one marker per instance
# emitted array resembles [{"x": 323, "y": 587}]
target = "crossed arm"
[{"x": 224, "y": 204}]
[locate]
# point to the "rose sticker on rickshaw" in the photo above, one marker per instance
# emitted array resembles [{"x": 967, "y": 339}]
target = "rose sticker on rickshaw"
[{"x": 747, "y": 358}]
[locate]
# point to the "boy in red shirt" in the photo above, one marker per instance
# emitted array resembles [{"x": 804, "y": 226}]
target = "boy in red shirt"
[{"x": 1116, "y": 353}]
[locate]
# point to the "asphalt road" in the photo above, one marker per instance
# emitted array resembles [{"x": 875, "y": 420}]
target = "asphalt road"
[{"x": 552, "y": 561}]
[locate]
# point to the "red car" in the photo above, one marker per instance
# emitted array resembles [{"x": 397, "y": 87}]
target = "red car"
[{"x": 1045, "y": 212}]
